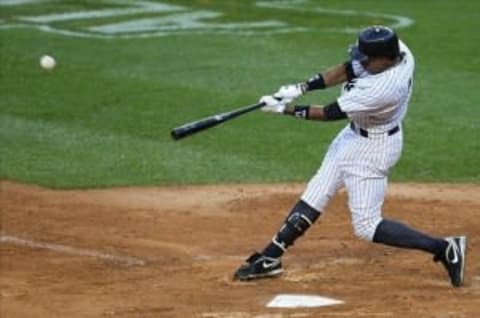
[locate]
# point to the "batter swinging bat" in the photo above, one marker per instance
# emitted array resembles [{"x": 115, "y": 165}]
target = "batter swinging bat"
[{"x": 208, "y": 122}]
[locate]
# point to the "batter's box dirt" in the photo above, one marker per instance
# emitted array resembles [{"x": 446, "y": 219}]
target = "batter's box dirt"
[{"x": 194, "y": 237}]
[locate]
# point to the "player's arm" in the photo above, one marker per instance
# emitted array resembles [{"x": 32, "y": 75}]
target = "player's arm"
[
  {"x": 316, "y": 112},
  {"x": 310, "y": 112},
  {"x": 329, "y": 78}
]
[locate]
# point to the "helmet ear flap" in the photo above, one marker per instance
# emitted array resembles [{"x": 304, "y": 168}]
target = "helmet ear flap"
[{"x": 355, "y": 53}]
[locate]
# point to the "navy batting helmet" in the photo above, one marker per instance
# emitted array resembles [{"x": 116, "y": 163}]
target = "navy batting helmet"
[{"x": 375, "y": 41}]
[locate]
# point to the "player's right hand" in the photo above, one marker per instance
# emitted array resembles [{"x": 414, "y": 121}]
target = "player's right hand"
[
  {"x": 273, "y": 104},
  {"x": 290, "y": 92}
]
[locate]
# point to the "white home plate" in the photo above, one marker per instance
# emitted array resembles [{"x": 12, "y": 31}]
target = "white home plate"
[{"x": 295, "y": 301}]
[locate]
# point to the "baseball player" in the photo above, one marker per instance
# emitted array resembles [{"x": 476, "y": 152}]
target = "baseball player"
[{"x": 377, "y": 84}]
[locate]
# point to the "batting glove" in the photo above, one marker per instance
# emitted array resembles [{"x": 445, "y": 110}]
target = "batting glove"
[
  {"x": 290, "y": 92},
  {"x": 272, "y": 104}
]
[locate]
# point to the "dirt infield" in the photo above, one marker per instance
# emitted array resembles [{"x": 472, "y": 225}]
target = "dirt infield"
[{"x": 171, "y": 252}]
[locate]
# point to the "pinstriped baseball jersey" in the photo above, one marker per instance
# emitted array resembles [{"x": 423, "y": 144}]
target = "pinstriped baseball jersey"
[
  {"x": 379, "y": 102},
  {"x": 375, "y": 103}
]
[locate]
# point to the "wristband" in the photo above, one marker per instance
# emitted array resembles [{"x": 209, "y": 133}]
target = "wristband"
[
  {"x": 301, "y": 111},
  {"x": 316, "y": 82}
]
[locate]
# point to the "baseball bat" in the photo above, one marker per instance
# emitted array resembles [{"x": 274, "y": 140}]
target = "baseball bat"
[{"x": 211, "y": 121}]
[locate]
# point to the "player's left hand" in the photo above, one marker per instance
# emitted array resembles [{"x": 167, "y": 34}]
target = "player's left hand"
[
  {"x": 290, "y": 92},
  {"x": 272, "y": 104}
]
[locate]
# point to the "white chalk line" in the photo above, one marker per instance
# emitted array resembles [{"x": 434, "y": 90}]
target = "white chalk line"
[
  {"x": 49, "y": 29},
  {"x": 126, "y": 260},
  {"x": 136, "y": 8},
  {"x": 18, "y": 2},
  {"x": 299, "y": 5},
  {"x": 185, "y": 22}
]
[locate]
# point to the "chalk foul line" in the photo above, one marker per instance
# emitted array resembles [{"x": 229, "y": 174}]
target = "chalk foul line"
[{"x": 124, "y": 260}]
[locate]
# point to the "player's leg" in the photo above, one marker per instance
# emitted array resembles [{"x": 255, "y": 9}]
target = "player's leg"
[
  {"x": 268, "y": 262},
  {"x": 306, "y": 211},
  {"x": 320, "y": 189},
  {"x": 365, "y": 200},
  {"x": 450, "y": 251},
  {"x": 301, "y": 217}
]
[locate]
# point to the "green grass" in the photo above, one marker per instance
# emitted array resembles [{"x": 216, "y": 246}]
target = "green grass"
[{"x": 103, "y": 116}]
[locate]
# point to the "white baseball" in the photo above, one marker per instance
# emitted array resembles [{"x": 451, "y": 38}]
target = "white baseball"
[{"x": 47, "y": 62}]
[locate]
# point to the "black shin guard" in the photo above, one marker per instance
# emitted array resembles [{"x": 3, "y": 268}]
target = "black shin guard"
[
  {"x": 297, "y": 223},
  {"x": 399, "y": 235}
]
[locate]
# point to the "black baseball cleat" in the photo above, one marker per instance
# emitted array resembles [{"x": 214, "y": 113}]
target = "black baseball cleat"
[
  {"x": 259, "y": 266},
  {"x": 453, "y": 258}
]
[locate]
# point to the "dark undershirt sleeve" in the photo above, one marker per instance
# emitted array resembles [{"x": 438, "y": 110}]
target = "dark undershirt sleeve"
[{"x": 333, "y": 112}]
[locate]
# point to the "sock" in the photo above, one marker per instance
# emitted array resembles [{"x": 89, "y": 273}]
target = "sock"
[
  {"x": 272, "y": 250},
  {"x": 399, "y": 235}
]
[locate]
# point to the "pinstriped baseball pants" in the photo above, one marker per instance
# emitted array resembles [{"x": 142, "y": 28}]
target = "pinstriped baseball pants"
[{"x": 361, "y": 165}]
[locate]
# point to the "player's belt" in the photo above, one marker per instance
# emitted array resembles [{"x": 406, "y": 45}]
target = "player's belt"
[{"x": 362, "y": 132}]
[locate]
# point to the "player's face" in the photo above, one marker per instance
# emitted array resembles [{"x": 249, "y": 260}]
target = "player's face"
[{"x": 376, "y": 65}]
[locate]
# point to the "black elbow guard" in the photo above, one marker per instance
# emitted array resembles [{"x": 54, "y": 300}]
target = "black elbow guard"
[{"x": 333, "y": 112}]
